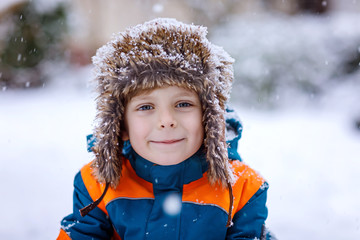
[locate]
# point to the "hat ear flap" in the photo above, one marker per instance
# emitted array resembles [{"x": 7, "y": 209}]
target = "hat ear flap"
[
  {"x": 215, "y": 140},
  {"x": 109, "y": 144}
]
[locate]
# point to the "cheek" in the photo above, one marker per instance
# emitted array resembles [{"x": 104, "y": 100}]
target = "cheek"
[
  {"x": 197, "y": 127},
  {"x": 200, "y": 132},
  {"x": 137, "y": 128}
]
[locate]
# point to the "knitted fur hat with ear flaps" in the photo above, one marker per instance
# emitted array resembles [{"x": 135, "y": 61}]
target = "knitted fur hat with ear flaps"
[{"x": 159, "y": 53}]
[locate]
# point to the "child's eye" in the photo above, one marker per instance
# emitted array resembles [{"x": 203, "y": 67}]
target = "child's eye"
[
  {"x": 183, "y": 104},
  {"x": 145, "y": 108}
]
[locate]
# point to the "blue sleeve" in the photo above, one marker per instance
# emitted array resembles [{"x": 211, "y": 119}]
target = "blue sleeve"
[
  {"x": 249, "y": 221},
  {"x": 95, "y": 225}
]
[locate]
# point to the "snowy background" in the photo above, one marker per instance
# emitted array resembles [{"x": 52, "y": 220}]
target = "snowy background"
[{"x": 305, "y": 145}]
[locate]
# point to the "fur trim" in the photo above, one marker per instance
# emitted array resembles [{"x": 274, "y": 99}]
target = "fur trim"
[{"x": 155, "y": 54}]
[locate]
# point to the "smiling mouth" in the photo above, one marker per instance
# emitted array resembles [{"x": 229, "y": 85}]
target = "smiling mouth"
[{"x": 169, "y": 141}]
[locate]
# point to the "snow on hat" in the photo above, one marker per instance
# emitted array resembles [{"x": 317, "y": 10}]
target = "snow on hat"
[{"x": 159, "y": 53}]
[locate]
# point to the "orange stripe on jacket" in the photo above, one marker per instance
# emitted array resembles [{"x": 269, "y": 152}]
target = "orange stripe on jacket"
[
  {"x": 131, "y": 180},
  {"x": 115, "y": 236},
  {"x": 63, "y": 235},
  {"x": 130, "y": 185},
  {"x": 201, "y": 192},
  {"x": 247, "y": 183},
  {"x": 94, "y": 188}
]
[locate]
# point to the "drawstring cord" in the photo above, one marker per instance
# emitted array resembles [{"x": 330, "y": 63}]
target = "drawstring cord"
[
  {"x": 229, "y": 222},
  {"x": 84, "y": 211}
]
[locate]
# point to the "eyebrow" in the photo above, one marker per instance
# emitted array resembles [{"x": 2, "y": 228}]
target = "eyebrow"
[
  {"x": 185, "y": 94},
  {"x": 148, "y": 96},
  {"x": 141, "y": 97}
]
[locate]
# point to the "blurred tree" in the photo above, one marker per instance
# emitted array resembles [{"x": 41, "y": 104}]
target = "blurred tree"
[
  {"x": 30, "y": 38},
  {"x": 281, "y": 58},
  {"x": 357, "y": 124},
  {"x": 298, "y": 6},
  {"x": 212, "y": 12},
  {"x": 352, "y": 63},
  {"x": 314, "y": 6}
]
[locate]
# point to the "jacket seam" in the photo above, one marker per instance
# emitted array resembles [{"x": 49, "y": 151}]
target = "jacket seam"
[
  {"x": 129, "y": 198},
  {"x": 207, "y": 204}
]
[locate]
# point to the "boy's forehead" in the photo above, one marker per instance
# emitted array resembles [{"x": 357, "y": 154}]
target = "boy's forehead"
[{"x": 145, "y": 93}]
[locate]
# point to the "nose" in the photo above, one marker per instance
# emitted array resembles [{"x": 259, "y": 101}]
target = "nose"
[{"x": 167, "y": 119}]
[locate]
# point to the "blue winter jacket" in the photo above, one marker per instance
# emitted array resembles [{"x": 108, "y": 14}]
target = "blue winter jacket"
[{"x": 170, "y": 202}]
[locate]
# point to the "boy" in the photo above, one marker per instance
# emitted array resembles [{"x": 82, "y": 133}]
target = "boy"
[{"x": 163, "y": 168}]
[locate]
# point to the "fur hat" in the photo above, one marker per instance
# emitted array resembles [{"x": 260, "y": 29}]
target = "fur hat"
[{"x": 158, "y": 53}]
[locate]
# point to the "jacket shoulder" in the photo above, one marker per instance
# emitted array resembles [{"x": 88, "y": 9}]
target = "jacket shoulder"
[
  {"x": 246, "y": 183},
  {"x": 130, "y": 185},
  {"x": 94, "y": 188},
  {"x": 242, "y": 171}
]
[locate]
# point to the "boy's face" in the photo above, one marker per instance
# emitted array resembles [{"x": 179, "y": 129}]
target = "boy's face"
[{"x": 165, "y": 125}]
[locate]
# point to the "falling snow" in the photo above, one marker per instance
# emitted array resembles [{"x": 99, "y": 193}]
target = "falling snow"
[
  {"x": 172, "y": 204},
  {"x": 309, "y": 156}
]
